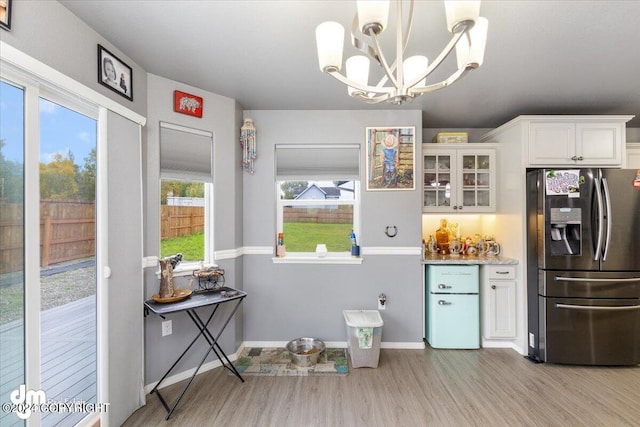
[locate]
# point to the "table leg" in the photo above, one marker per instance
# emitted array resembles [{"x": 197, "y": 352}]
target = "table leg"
[{"x": 213, "y": 342}]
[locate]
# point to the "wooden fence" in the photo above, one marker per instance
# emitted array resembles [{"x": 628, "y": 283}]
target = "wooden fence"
[
  {"x": 67, "y": 232},
  {"x": 177, "y": 221},
  {"x": 341, "y": 215}
]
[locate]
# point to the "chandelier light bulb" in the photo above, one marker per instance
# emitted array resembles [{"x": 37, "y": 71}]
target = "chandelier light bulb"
[
  {"x": 330, "y": 42},
  {"x": 414, "y": 67},
  {"x": 478, "y": 36},
  {"x": 461, "y": 11},
  {"x": 358, "y": 71},
  {"x": 372, "y": 14}
]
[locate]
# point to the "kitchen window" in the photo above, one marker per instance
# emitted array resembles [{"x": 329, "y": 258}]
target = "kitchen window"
[
  {"x": 186, "y": 196},
  {"x": 318, "y": 201}
]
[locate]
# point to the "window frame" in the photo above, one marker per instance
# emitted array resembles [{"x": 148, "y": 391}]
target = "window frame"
[
  {"x": 186, "y": 268},
  {"x": 343, "y": 257}
]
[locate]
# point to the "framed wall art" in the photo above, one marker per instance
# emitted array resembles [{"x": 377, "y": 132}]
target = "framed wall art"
[
  {"x": 186, "y": 103},
  {"x": 390, "y": 153},
  {"x": 5, "y": 14},
  {"x": 114, "y": 74}
]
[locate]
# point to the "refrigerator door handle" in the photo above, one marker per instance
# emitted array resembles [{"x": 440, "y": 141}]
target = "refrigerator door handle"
[
  {"x": 607, "y": 200},
  {"x": 585, "y": 279},
  {"x": 598, "y": 307},
  {"x": 600, "y": 218}
]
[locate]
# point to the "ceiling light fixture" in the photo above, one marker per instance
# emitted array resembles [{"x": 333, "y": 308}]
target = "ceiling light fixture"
[{"x": 406, "y": 77}]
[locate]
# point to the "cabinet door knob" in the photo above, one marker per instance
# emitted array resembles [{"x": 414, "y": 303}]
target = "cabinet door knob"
[
  {"x": 460, "y": 207},
  {"x": 455, "y": 208},
  {"x": 580, "y": 158},
  {"x": 493, "y": 286},
  {"x": 443, "y": 286},
  {"x": 443, "y": 302},
  {"x": 574, "y": 158}
]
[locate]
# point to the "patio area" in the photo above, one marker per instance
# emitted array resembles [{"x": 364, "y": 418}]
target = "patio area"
[{"x": 68, "y": 359}]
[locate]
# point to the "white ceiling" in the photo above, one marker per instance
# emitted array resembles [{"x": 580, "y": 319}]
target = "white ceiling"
[{"x": 542, "y": 57}]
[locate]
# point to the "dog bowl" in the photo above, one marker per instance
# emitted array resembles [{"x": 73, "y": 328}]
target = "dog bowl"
[{"x": 305, "y": 352}]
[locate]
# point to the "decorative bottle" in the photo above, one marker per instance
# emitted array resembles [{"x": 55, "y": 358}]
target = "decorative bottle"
[
  {"x": 442, "y": 237},
  {"x": 280, "y": 248}
]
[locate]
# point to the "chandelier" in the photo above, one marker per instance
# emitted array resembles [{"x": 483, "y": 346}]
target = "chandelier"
[{"x": 404, "y": 79}]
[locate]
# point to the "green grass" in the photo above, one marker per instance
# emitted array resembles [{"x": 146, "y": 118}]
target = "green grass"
[
  {"x": 304, "y": 236},
  {"x": 298, "y": 237},
  {"x": 191, "y": 247}
]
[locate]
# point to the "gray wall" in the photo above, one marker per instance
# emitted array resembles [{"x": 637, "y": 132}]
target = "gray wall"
[
  {"x": 47, "y": 31},
  {"x": 221, "y": 116},
  {"x": 291, "y": 300}
]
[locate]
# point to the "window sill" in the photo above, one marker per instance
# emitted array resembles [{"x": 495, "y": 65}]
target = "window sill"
[{"x": 314, "y": 259}]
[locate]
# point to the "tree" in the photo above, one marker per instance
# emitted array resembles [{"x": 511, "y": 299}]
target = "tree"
[
  {"x": 290, "y": 189},
  {"x": 11, "y": 178},
  {"x": 86, "y": 178},
  {"x": 58, "y": 179}
]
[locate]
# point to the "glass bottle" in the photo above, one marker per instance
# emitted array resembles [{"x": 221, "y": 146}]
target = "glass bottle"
[{"x": 442, "y": 237}]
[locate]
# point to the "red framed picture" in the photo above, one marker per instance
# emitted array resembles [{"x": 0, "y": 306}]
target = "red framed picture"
[{"x": 186, "y": 103}]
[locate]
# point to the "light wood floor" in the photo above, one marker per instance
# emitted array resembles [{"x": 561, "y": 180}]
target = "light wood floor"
[{"x": 487, "y": 387}]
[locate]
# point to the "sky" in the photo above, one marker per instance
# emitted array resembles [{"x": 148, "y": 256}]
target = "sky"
[{"x": 61, "y": 130}]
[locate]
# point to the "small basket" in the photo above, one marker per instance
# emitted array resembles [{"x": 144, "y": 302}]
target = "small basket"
[{"x": 210, "y": 279}]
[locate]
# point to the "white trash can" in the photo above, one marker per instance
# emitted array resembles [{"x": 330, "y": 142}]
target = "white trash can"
[{"x": 364, "y": 333}]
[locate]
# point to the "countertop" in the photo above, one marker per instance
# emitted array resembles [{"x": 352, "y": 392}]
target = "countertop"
[{"x": 468, "y": 259}]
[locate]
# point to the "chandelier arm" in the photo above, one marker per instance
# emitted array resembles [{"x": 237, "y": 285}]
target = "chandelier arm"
[
  {"x": 442, "y": 84},
  {"x": 364, "y": 88},
  {"x": 383, "y": 60},
  {"x": 359, "y": 43},
  {"x": 405, "y": 36},
  {"x": 445, "y": 52},
  {"x": 371, "y": 99}
]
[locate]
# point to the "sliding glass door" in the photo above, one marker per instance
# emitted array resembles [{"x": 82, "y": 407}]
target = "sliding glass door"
[
  {"x": 48, "y": 321},
  {"x": 12, "y": 277},
  {"x": 67, "y": 258}
]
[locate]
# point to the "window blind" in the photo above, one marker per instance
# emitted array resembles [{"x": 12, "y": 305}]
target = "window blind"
[
  {"x": 317, "y": 162},
  {"x": 185, "y": 153}
]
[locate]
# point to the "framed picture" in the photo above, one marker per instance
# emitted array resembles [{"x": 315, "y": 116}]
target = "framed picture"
[
  {"x": 5, "y": 14},
  {"x": 186, "y": 103},
  {"x": 390, "y": 158},
  {"x": 114, "y": 74}
]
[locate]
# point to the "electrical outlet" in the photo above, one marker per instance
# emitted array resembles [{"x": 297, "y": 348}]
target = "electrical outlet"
[{"x": 166, "y": 328}]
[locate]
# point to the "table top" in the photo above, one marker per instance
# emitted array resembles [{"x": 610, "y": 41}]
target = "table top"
[{"x": 194, "y": 301}]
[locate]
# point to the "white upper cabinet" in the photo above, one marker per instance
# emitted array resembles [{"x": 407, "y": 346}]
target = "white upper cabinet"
[
  {"x": 576, "y": 142},
  {"x": 633, "y": 155},
  {"x": 458, "y": 178}
]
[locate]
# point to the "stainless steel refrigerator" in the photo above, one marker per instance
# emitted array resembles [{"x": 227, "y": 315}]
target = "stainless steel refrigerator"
[{"x": 583, "y": 259}]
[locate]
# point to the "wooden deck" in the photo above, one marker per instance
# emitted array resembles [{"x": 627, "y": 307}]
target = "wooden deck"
[{"x": 68, "y": 359}]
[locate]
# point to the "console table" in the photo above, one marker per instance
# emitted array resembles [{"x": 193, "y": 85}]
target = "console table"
[{"x": 191, "y": 305}]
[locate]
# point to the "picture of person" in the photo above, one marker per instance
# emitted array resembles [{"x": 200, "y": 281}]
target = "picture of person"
[
  {"x": 390, "y": 156},
  {"x": 389, "y": 159},
  {"x": 123, "y": 83},
  {"x": 109, "y": 71},
  {"x": 114, "y": 74}
]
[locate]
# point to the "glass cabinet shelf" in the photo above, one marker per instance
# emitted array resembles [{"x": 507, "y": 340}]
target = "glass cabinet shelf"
[{"x": 458, "y": 178}]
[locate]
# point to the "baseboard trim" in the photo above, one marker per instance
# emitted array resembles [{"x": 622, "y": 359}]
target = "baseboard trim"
[{"x": 502, "y": 344}]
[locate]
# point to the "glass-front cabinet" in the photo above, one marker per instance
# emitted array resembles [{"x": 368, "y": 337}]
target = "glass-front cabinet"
[{"x": 458, "y": 178}]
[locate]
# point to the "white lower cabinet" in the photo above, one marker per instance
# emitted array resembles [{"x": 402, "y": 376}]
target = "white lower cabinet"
[{"x": 498, "y": 301}]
